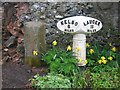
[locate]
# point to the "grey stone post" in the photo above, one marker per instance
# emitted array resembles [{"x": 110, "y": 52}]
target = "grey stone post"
[{"x": 35, "y": 44}]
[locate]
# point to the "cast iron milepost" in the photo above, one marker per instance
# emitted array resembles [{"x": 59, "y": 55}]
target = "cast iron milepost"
[{"x": 79, "y": 26}]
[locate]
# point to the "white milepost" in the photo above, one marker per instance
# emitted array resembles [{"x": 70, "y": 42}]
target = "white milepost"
[
  {"x": 79, "y": 41},
  {"x": 79, "y": 26}
]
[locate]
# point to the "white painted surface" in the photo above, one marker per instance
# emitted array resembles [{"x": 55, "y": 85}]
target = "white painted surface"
[
  {"x": 79, "y": 24},
  {"x": 79, "y": 40}
]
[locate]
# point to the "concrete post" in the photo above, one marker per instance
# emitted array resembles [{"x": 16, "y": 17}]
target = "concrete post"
[{"x": 34, "y": 40}]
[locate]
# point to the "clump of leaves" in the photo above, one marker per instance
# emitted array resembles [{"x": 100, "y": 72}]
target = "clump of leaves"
[
  {"x": 50, "y": 81},
  {"x": 81, "y": 79},
  {"x": 107, "y": 51},
  {"x": 61, "y": 61},
  {"x": 105, "y": 79}
]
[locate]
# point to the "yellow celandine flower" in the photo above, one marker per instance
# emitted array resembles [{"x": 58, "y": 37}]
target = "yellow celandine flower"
[
  {"x": 110, "y": 58},
  {"x": 54, "y": 43},
  {"x": 87, "y": 45},
  {"x": 91, "y": 51},
  {"x": 100, "y": 61},
  {"x": 104, "y": 61},
  {"x": 110, "y": 44},
  {"x": 69, "y": 48},
  {"x": 103, "y": 58},
  {"x": 35, "y": 53},
  {"x": 78, "y": 48},
  {"x": 86, "y": 61},
  {"x": 79, "y": 60},
  {"x": 113, "y": 49}
]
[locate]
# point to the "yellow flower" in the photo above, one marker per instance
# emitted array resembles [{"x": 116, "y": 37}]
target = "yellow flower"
[
  {"x": 110, "y": 58},
  {"x": 113, "y": 49},
  {"x": 87, "y": 45},
  {"x": 104, "y": 61},
  {"x": 54, "y": 43},
  {"x": 91, "y": 51},
  {"x": 86, "y": 61},
  {"x": 79, "y": 60},
  {"x": 110, "y": 44},
  {"x": 35, "y": 53},
  {"x": 103, "y": 58},
  {"x": 100, "y": 61},
  {"x": 69, "y": 48},
  {"x": 78, "y": 48}
]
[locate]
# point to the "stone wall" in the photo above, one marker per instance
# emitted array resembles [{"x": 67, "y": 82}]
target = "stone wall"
[{"x": 52, "y": 12}]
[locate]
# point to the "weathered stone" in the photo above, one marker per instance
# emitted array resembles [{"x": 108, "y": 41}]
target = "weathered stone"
[
  {"x": 25, "y": 18},
  {"x": 42, "y": 17},
  {"x": 105, "y": 5},
  {"x": 6, "y": 49},
  {"x": 90, "y": 6},
  {"x": 6, "y": 59},
  {"x": 35, "y": 45},
  {"x": 58, "y": 16},
  {"x": 21, "y": 48},
  {"x": 42, "y": 9},
  {"x": 10, "y": 41}
]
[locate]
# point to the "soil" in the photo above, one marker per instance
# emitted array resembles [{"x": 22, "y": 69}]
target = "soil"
[
  {"x": 15, "y": 76},
  {"x": 18, "y": 75}
]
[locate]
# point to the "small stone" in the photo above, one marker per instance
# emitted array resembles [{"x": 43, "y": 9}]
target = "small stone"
[
  {"x": 42, "y": 9},
  {"x": 36, "y": 6},
  {"x": 42, "y": 17},
  {"x": 6, "y": 49},
  {"x": 29, "y": 71},
  {"x": 20, "y": 48},
  {"x": 10, "y": 41},
  {"x": 90, "y": 6},
  {"x": 58, "y": 16},
  {"x": 20, "y": 61},
  {"x": 25, "y": 18},
  {"x": 6, "y": 59}
]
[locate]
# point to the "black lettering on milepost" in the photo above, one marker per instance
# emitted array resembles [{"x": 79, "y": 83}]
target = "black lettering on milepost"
[
  {"x": 68, "y": 21},
  {"x": 62, "y": 23},
  {"x": 84, "y": 24},
  {"x": 72, "y": 22},
  {"x": 65, "y": 21},
  {"x": 91, "y": 26},
  {"x": 72, "y": 30},
  {"x": 68, "y": 26},
  {"x": 98, "y": 23},
  {"x": 76, "y": 23}
]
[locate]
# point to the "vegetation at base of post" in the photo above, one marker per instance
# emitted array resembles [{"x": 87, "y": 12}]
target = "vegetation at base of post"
[
  {"x": 51, "y": 80},
  {"x": 101, "y": 70},
  {"x": 61, "y": 61}
]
